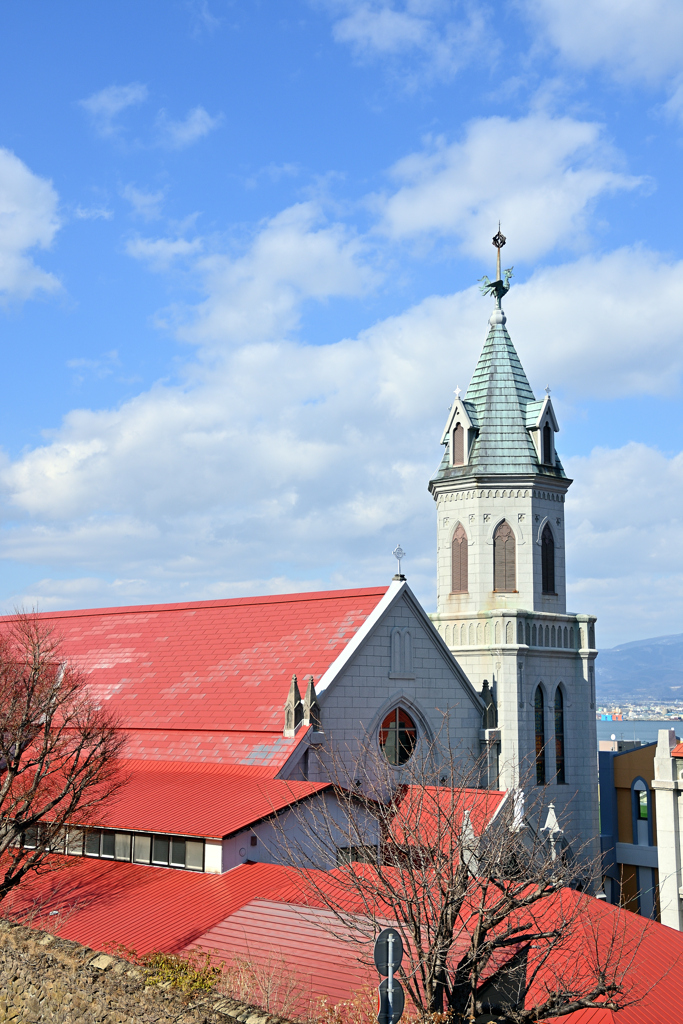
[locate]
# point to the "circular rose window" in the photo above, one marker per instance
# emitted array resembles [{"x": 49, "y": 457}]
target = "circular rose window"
[{"x": 397, "y": 736}]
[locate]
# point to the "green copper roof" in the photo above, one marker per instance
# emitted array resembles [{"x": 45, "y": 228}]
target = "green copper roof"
[{"x": 504, "y": 407}]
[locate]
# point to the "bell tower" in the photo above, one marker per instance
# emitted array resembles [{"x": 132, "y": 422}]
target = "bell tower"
[{"x": 501, "y": 590}]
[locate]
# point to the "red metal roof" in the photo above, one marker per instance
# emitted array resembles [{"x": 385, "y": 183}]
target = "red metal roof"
[
  {"x": 677, "y": 751},
  {"x": 209, "y": 800},
  {"x": 300, "y": 949},
  {"x": 214, "y": 673},
  {"x": 104, "y": 903},
  {"x": 435, "y": 813}
]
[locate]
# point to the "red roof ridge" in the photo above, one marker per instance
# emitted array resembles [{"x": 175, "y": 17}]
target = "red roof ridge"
[{"x": 318, "y": 595}]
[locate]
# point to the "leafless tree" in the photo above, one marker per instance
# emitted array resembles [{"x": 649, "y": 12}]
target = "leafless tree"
[
  {"x": 59, "y": 749},
  {"x": 490, "y": 903}
]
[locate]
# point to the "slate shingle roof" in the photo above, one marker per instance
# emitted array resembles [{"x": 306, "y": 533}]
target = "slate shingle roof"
[{"x": 501, "y": 405}]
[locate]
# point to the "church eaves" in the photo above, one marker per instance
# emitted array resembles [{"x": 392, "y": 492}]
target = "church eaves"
[{"x": 502, "y": 407}]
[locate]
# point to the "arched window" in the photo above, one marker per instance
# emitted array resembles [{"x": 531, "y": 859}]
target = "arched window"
[
  {"x": 397, "y": 736},
  {"x": 547, "y": 445},
  {"x": 539, "y": 726},
  {"x": 459, "y": 581},
  {"x": 458, "y": 445},
  {"x": 559, "y": 736},
  {"x": 548, "y": 560},
  {"x": 641, "y": 812},
  {"x": 504, "y": 576}
]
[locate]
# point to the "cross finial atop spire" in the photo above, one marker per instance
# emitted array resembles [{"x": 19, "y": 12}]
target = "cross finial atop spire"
[
  {"x": 547, "y": 390},
  {"x": 457, "y": 392},
  {"x": 499, "y": 241},
  {"x": 501, "y": 285},
  {"x": 398, "y": 554}
]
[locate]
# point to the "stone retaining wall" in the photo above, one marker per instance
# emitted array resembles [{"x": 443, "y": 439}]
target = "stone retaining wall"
[{"x": 51, "y": 980}]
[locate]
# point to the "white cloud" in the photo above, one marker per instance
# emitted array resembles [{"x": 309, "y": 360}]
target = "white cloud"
[
  {"x": 623, "y": 523},
  {"x": 160, "y": 253},
  {"x": 602, "y": 326},
  {"x": 99, "y": 368},
  {"x": 674, "y": 105},
  {"x": 296, "y": 256},
  {"x": 105, "y": 106},
  {"x": 28, "y": 220},
  {"x": 93, "y": 213},
  {"x": 633, "y": 40},
  {"x": 420, "y": 37},
  {"x": 146, "y": 205},
  {"x": 279, "y": 465},
  {"x": 538, "y": 175},
  {"x": 179, "y": 134}
]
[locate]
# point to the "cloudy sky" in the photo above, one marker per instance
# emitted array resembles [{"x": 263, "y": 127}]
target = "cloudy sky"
[{"x": 239, "y": 247}]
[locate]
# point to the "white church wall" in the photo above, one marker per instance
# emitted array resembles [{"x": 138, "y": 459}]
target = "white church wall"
[
  {"x": 285, "y": 838},
  {"x": 213, "y": 856}
]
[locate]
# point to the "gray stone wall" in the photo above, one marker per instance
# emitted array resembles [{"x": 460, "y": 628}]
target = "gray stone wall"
[
  {"x": 53, "y": 981},
  {"x": 429, "y": 685}
]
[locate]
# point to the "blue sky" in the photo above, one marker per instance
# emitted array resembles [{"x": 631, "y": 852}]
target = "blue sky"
[{"x": 239, "y": 247}]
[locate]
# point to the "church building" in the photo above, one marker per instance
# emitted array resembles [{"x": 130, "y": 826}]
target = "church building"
[{"x": 232, "y": 709}]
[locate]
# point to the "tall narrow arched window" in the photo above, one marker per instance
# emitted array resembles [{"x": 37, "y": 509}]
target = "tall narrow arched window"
[
  {"x": 547, "y": 445},
  {"x": 539, "y": 726},
  {"x": 504, "y": 575},
  {"x": 559, "y": 736},
  {"x": 458, "y": 445},
  {"x": 548, "y": 560},
  {"x": 459, "y": 561}
]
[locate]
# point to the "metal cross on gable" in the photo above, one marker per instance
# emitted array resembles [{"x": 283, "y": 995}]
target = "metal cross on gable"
[
  {"x": 457, "y": 392},
  {"x": 398, "y": 554}
]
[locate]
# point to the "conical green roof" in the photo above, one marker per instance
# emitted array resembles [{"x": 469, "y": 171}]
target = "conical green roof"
[{"x": 499, "y": 400}]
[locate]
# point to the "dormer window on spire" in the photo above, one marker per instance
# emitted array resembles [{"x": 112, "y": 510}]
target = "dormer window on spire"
[
  {"x": 547, "y": 444},
  {"x": 458, "y": 445}
]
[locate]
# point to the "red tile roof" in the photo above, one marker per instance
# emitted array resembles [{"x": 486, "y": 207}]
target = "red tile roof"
[
  {"x": 211, "y": 674},
  {"x": 209, "y": 800}
]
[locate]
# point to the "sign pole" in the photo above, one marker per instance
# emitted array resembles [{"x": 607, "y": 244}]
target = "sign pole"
[
  {"x": 388, "y": 954},
  {"x": 390, "y": 976}
]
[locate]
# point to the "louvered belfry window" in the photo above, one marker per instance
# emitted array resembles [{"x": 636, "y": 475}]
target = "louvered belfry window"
[
  {"x": 548, "y": 560},
  {"x": 547, "y": 445},
  {"x": 459, "y": 581},
  {"x": 504, "y": 576},
  {"x": 458, "y": 445}
]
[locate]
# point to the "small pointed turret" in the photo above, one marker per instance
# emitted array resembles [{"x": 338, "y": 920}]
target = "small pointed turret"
[
  {"x": 293, "y": 709},
  {"x": 311, "y": 706}
]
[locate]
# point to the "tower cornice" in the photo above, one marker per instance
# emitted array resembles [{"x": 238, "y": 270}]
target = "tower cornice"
[{"x": 498, "y": 481}]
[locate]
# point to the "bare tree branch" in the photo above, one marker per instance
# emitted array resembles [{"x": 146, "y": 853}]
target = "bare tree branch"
[
  {"x": 488, "y": 904},
  {"x": 59, "y": 749}
]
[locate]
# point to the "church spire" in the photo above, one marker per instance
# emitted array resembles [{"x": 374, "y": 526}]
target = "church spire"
[{"x": 495, "y": 428}]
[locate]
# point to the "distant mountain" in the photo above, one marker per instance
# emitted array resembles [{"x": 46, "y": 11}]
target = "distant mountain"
[{"x": 647, "y": 669}]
